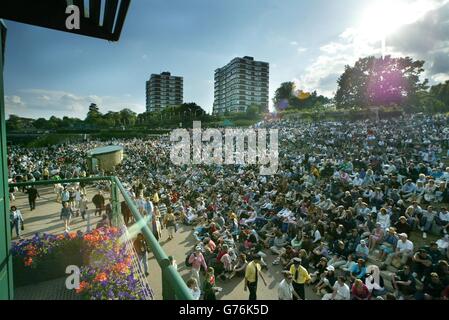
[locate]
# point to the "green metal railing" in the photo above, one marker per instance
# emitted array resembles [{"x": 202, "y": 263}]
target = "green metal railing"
[{"x": 173, "y": 286}]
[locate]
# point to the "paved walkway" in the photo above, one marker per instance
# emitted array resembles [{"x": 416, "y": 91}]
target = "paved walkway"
[
  {"x": 48, "y": 290},
  {"x": 45, "y": 218}
]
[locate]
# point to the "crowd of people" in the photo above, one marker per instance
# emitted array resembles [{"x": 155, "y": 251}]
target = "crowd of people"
[{"x": 350, "y": 200}]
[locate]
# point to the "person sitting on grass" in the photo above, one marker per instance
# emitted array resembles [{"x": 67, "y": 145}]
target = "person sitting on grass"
[
  {"x": 287, "y": 257},
  {"x": 404, "y": 283},
  {"x": 279, "y": 242},
  {"x": 362, "y": 250},
  {"x": 341, "y": 291},
  {"x": 422, "y": 264},
  {"x": 359, "y": 291},
  {"x": 321, "y": 268},
  {"x": 433, "y": 288},
  {"x": 358, "y": 271},
  {"x": 426, "y": 221},
  {"x": 388, "y": 245},
  {"x": 326, "y": 284},
  {"x": 339, "y": 257},
  {"x": 376, "y": 237},
  {"x": 240, "y": 267},
  {"x": 404, "y": 250},
  {"x": 402, "y": 226},
  {"x": 348, "y": 265}
]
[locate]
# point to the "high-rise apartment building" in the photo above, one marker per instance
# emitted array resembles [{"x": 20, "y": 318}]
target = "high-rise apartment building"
[
  {"x": 163, "y": 90},
  {"x": 240, "y": 84}
]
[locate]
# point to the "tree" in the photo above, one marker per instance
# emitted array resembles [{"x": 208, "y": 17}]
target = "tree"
[
  {"x": 14, "y": 123},
  {"x": 112, "y": 119},
  {"x": 253, "y": 111},
  {"x": 94, "y": 108},
  {"x": 94, "y": 116},
  {"x": 441, "y": 92},
  {"x": 287, "y": 97},
  {"x": 54, "y": 122},
  {"x": 41, "y": 123},
  {"x": 284, "y": 92},
  {"x": 380, "y": 82},
  {"x": 127, "y": 117}
]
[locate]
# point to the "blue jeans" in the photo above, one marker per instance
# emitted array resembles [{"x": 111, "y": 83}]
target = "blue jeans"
[
  {"x": 144, "y": 261},
  {"x": 427, "y": 225},
  {"x": 16, "y": 225}
]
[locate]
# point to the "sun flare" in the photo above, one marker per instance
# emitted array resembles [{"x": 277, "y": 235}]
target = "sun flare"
[{"x": 384, "y": 17}]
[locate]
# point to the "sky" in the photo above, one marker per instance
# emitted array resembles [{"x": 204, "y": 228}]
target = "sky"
[{"x": 309, "y": 42}]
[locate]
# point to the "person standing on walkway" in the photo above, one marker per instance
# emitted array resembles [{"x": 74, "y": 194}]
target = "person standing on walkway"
[
  {"x": 83, "y": 206},
  {"x": 65, "y": 196},
  {"x": 98, "y": 201},
  {"x": 194, "y": 289},
  {"x": 33, "y": 194},
  {"x": 300, "y": 278},
  {"x": 197, "y": 260},
  {"x": 285, "y": 289},
  {"x": 170, "y": 224},
  {"x": 16, "y": 220},
  {"x": 77, "y": 198},
  {"x": 58, "y": 188},
  {"x": 66, "y": 215},
  {"x": 209, "y": 287},
  {"x": 142, "y": 250},
  {"x": 12, "y": 190},
  {"x": 252, "y": 274},
  {"x": 156, "y": 224}
]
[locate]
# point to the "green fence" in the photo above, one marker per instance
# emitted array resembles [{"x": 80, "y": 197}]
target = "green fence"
[{"x": 173, "y": 286}]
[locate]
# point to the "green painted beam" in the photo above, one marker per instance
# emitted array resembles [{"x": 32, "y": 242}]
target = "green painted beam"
[
  {"x": 6, "y": 271},
  {"x": 170, "y": 277},
  {"x": 47, "y": 182},
  {"x": 173, "y": 286}
]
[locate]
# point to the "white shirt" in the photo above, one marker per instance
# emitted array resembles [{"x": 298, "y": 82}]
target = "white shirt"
[
  {"x": 343, "y": 292},
  {"x": 403, "y": 246},
  {"x": 384, "y": 220},
  {"x": 285, "y": 213},
  {"x": 285, "y": 290},
  {"x": 444, "y": 215},
  {"x": 196, "y": 294}
]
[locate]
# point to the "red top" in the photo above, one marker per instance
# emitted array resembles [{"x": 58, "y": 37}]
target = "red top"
[{"x": 361, "y": 292}]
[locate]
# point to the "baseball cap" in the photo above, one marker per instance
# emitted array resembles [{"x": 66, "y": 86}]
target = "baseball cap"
[{"x": 330, "y": 268}]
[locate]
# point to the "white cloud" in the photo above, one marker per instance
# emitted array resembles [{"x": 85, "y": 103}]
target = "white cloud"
[
  {"x": 302, "y": 50},
  {"x": 15, "y": 105},
  {"x": 44, "y": 103},
  {"x": 426, "y": 37},
  {"x": 293, "y": 43}
]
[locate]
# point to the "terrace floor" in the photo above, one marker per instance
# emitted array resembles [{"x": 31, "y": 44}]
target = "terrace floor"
[{"x": 46, "y": 219}]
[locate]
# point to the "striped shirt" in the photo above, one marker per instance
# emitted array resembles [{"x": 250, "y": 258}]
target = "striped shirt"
[{"x": 162, "y": 209}]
